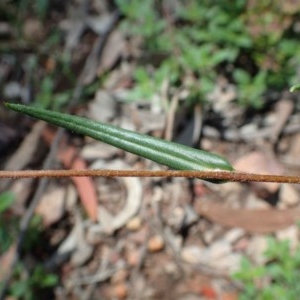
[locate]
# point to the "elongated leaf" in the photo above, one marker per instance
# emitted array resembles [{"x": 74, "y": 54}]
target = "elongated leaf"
[{"x": 173, "y": 155}]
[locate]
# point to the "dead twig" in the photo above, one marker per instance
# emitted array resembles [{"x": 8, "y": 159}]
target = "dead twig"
[{"x": 206, "y": 175}]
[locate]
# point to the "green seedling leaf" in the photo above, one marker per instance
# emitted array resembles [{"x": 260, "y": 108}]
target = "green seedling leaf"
[
  {"x": 295, "y": 88},
  {"x": 173, "y": 155}
]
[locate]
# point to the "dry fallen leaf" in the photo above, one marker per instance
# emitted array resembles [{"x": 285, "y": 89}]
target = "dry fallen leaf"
[
  {"x": 52, "y": 206},
  {"x": 86, "y": 190},
  {"x": 74, "y": 245},
  {"x": 103, "y": 108},
  {"x": 254, "y": 221},
  {"x": 261, "y": 163},
  {"x": 25, "y": 153},
  {"x": 112, "y": 51},
  {"x": 283, "y": 110},
  {"x": 85, "y": 186}
]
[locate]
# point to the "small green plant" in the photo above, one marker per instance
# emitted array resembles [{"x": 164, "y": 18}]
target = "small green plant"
[
  {"x": 250, "y": 89},
  {"x": 6, "y": 200},
  {"x": 27, "y": 285},
  {"x": 32, "y": 287},
  {"x": 277, "y": 279},
  {"x": 203, "y": 36},
  {"x": 206, "y": 39},
  {"x": 295, "y": 88},
  {"x": 47, "y": 97},
  {"x": 8, "y": 225}
]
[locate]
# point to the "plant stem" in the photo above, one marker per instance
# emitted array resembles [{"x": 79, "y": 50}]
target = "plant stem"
[{"x": 220, "y": 175}]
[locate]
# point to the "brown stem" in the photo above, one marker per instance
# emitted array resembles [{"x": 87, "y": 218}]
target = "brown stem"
[{"x": 219, "y": 175}]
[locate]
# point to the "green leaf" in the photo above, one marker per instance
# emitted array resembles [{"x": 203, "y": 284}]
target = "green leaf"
[
  {"x": 173, "y": 155},
  {"x": 6, "y": 199}
]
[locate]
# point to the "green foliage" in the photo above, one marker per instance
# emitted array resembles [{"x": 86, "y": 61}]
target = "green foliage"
[
  {"x": 212, "y": 38},
  {"x": 47, "y": 94},
  {"x": 34, "y": 233},
  {"x": 8, "y": 226},
  {"x": 46, "y": 67},
  {"x": 277, "y": 279},
  {"x": 6, "y": 200},
  {"x": 148, "y": 23},
  {"x": 250, "y": 89},
  {"x": 24, "y": 286},
  {"x": 41, "y": 8},
  {"x": 295, "y": 88},
  {"x": 30, "y": 288},
  {"x": 14, "y": 10},
  {"x": 47, "y": 97}
]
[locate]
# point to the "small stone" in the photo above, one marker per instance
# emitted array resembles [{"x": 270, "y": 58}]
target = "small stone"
[
  {"x": 288, "y": 195},
  {"x": 192, "y": 254},
  {"x": 133, "y": 257},
  {"x": 120, "y": 291},
  {"x": 234, "y": 235},
  {"x": 134, "y": 224},
  {"x": 171, "y": 268},
  {"x": 190, "y": 215},
  {"x": 291, "y": 234},
  {"x": 218, "y": 250},
  {"x": 257, "y": 247},
  {"x": 229, "y": 263},
  {"x": 120, "y": 276},
  {"x": 176, "y": 217},
  {"x": 156, "y": 243}
]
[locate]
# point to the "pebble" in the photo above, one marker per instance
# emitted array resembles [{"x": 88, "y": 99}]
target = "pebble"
[
  {"x": 291, "y": 234},
  {"x": 120, "y": 276},
  {"x": 288, "y": 196},
  {"x": 234, "y": 235},
  {"x": 134, "y": 224},
  {"x": 256, "y": 248},
  {"x": 155, "y": 243},
  {"x": 192, "y": 254},
  {"x": 120, "y": 291}
]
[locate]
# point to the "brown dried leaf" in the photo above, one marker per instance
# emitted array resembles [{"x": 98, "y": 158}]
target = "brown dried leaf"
[
  {"x": 254, "y": 221},
  {"x": 284, "y": 109},
  {"x": 113, "y": 49},
  {"x": 52, "y": 206},
  {"x": 261, "y": 163},
  {"x": 25, "y": 153},
  {"x": 27, "y": 149},
  {"x": 103, "y": 108}
]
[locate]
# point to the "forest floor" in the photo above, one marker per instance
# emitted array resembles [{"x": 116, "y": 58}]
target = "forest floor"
[{"x": 153, "y": 238}]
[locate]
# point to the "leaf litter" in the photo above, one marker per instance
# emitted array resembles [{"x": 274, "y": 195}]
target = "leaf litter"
[{"x": 195, "y": 233}]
